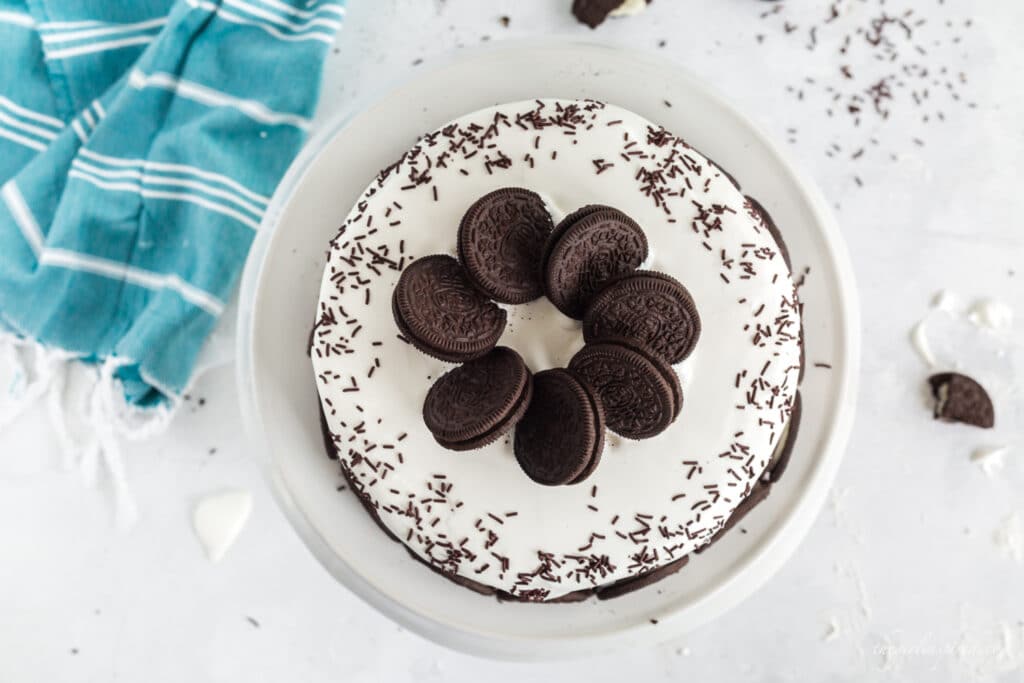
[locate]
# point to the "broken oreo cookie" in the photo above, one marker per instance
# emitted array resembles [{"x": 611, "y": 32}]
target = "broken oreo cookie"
[
  {"x": 442, "y": 314},
  {"x": 652, "y": 309},
  {"x": 588, "y": 249},
  {"x": 594, "y": 12},
  {"x": 958, "y": 398},
  {"x": 501, "y": 242},
  {"x": 560, "y": 438},
  {"x": 480, "y": 401}
]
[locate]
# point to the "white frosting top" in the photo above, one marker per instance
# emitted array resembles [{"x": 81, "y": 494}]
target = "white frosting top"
[{"x": 649, "y": 502}]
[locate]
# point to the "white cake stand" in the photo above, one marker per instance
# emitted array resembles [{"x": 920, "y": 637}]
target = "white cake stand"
[{"x": 278, "y": 299}]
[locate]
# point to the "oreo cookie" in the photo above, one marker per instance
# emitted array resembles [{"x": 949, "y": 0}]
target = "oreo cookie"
[
  {"x": 587, "y": 250},
  {"x": 560, "y": 438},
  {"x": 441, "y": 313},
  {"x": 635, "y": 583},
  {"x": 651, "y": 309},
  {"x": 758, "y": 212},
  {"x": 639, "y": 390},
  {"x": 780, "y": 459},
  {"x": 958, "y": 398},
  {"x": 478, "y": 402},
  {"x": 501, "y": 243}
]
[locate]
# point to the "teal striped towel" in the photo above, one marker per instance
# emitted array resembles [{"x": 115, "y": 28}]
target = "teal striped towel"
[{"x": 139, "y": 145}]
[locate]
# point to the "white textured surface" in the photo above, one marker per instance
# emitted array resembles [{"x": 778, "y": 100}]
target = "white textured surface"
[{"x": 901, "y": 579}]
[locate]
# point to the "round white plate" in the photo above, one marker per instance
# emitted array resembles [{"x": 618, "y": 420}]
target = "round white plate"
[{"x": 279, "y": 295}]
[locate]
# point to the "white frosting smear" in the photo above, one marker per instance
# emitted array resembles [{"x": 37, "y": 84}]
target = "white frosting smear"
[
  {"x": 649, "y": 502},
  {"x": 629, "y": 8},
  {"x": 991, "y": 459},
  {"x": 992, "y": 315},
  {"x": 218, "y": 520},
  {"x": 919, "y": 339}
]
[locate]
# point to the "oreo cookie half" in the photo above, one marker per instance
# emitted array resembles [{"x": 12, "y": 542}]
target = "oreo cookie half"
[
  {"x": 587, "y": 250},
  {"x": 478, "y": 402},
  {"x": 560, "y": 438},
  {"x": 958, "y": 398},
  {"x": 501, "y": 242},
  {"x": 639, "y": 390},
  {"x": 652, "y": 309},
  {"x": 441, "y": 313}
]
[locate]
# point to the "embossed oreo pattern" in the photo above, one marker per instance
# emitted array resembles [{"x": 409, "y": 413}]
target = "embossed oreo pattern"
[
  {"x": 501, "y": 242},
  {"x": 439, "y": 307},
  {"x": 583, "y": 257},
  {"x": 651, "y": 308}
]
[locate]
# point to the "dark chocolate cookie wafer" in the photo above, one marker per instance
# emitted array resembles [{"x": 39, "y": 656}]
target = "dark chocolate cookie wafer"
[
  {"x": 780, "y": 459},
  {"x": 586, "y": 250},
  {"x": 635, "y": 583},
  {"x": 501, "y": 243},
  {"x": 759, "y": 213},
  {"x": 560, "y": 437},
  {"x": 442, "y": 314},
  {"x": 650, "y": 308},
  {"x": 640, "y": 391},
  {"x": 479, "y": 401},
  {"x": 958, "y": 398},
  {"x": 756, "y": 496}
]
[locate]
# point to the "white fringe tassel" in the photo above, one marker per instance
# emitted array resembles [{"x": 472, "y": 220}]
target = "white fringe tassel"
[{"x": 86, "y": 407}]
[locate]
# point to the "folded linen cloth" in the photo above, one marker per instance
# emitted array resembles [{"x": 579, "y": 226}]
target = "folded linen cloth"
[{"x": 139, "y": 145}]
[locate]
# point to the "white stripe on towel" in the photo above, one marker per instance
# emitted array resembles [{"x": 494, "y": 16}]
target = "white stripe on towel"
[
  {"x": 107, "y": 30},
  {"x": 149, "y": 179},
  {"x": 90, "y": 48},
  {"x": 5, "y": 103},
  {"x": 79, "y": 131},
  {"x": 176, "y": 168},
  {"x": 85, "y": 263},
  {"x": 17, "y": 19},
  {"x": 21, "y": 139},
  {"x": 274, "y": 18},
  {"x": 160, "y": 194},
  {"x": 230, "y": 16},
  {"x": 326, "y": 8},
  {"x": 23, "y": 217},
  {"x": 44, "y": 133},
  {"x": 205, "y": 95}
]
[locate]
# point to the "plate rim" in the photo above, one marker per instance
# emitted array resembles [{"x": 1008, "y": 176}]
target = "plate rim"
[{"x": 769, "y": 556}]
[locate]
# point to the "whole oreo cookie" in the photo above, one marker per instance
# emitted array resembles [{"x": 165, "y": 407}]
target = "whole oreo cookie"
[
  {"x": 652, "y": 309},
  {"x": 757, "y": 211},
  {"x": 442, "y": 314},
  {"x": 501, "y": 242},
  {"x": 478, "y": 402},
  {"x": 586, "y": 250},
  {"x": 560, "y": 438},
  {"x": 639, "y": 390}
]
